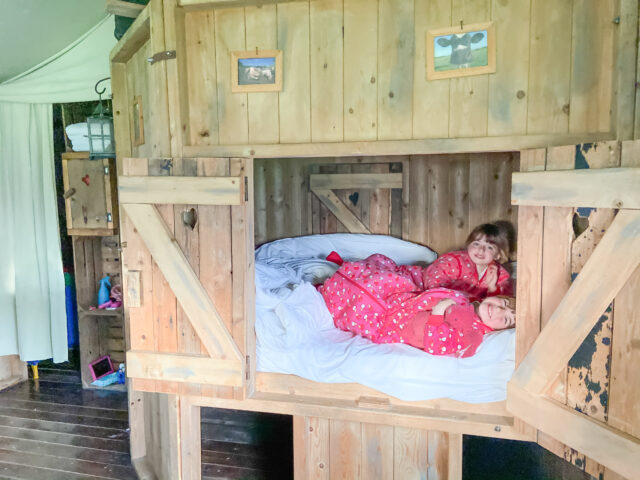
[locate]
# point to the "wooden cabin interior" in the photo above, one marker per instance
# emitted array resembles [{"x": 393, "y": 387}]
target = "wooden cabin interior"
[{"x": 361, "y": 132}]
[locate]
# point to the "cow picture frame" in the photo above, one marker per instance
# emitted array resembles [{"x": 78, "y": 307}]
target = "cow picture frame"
[
  {"x": 256, "y": 71},
  {"x": 461, "y": 51}
]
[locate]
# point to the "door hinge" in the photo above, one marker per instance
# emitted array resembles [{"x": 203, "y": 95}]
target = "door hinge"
[
  {"x": 109, "y": 217},
  {"x": 106, "y": 170},
  {"x": 160, "y": 56},
  {"x": 246, "y": 189},
  {"x": 247, "y": 367}
]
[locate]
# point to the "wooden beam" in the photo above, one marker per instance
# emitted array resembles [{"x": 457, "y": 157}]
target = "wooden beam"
[
  {"x": 610, "y": 265},
  {"x": 184, "y": 368},
  {"x": 610, "y": 447},
  {"x": 185, "y": 284},
  {"x": 393, "y": 147},
  {"x": 123, "y": 9},
  {"x": 180, "y": 190},
  {"x": 137, "y": 34},
  {"x": 598, "y": 188},
  {"x": 355, "y": 181},
  {"x": 340, "y": 210}
]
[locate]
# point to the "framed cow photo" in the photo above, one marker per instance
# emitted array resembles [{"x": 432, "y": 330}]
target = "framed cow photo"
[
  {"x": 256, "y": 71},
  {"x": 461, "y": 51}
]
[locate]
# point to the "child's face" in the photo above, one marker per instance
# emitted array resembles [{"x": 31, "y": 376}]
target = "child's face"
[
  {"x": 496, "y": 313},
  {"x": 482, "y": 253}
]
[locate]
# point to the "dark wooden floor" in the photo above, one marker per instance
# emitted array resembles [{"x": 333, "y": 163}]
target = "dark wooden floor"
[{"x": 52, "y": 429}]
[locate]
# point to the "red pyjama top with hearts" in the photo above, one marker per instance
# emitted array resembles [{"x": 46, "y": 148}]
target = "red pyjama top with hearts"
[
  {"x": 378, "y": 299},
  {"x": 456, "y": 270}
]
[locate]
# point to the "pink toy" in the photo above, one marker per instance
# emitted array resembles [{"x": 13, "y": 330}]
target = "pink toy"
[
  {"x": 115, "y": 299},
  {"x": 101, "y": 367}
]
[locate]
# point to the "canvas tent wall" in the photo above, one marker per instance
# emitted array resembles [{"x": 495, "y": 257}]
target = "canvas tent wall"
[{"x": 26, "y": 156}]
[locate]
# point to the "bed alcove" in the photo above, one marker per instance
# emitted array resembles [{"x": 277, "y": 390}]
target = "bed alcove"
[{"x": 355, "y": 101}]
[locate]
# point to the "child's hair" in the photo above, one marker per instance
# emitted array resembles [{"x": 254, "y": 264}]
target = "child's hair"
[
  {"x": 495, "y": 234},
  {"x": 511, "y": 301},
  {"x": 509, "y": 230}
]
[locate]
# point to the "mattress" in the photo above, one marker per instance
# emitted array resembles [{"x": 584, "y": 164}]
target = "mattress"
[{"x": 296, "y": 335}]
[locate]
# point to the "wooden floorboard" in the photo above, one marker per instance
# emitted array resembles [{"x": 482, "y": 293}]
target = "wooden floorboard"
[{"x": 52, "y": 429}]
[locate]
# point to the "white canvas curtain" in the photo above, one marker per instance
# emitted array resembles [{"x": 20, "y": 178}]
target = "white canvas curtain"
[{"x": 32, "y": 290}]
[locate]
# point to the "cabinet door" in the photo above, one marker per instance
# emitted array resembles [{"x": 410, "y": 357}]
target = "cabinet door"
[
  {"x": 87, "y": 204},
  {"x": 187, "y": 242}
]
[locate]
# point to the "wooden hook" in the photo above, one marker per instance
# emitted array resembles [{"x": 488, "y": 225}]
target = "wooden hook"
[{"x": 460, "y": 24}]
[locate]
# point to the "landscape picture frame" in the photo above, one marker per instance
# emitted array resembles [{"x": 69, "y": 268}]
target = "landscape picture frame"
[{"x": 256, "y": 71}]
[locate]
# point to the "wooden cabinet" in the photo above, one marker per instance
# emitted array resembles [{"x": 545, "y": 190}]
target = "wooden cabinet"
[
  {"x": 101, "y": 332},
  {"x": 90, "y": 194}
]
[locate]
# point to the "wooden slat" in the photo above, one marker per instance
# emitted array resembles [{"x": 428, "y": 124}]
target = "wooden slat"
[
  {"x": 355, "y": 181},
  {"x": 430, "y": 98},
  {"x": 548, "y": 93},
  {"x": 592, "y": 67},
  {"x": 600, "y": 188},
  {"x": 377, "y": 451},
  {"x": 183, "y": 281},
  {"x": 325, "y": 36},
  {"x": 123, "y": 9},
  {"x": 261, "y": 33},
  {"x": 180, "y": 190},
  {"x": 390, "y": 147},
  {"x": 508, "y": 86},
  {"x": 410, "y": 453},
  {"x": 340, "y": 210},
  {"x": 294, "y": 100},
  {"x": 468, "y": 96},
  {"x": 610, "y": 447},
  {"x": 137, "y": 34},
  {"x": 345, "y": 449},
  {"x": 360, "y": 70},
  {"x": 184, "y": 368},
  {"x": 243, "y": 281},
  {"x": 395, "y": 69},
  {"x": 202, "y": 122},
  {"x": 232, "y": 107},
  {"x": 216, "y": 267},
  {"x": 190, "y": 439},
  {"x": 625, "y": 71},
  {"x": 601, "y": 279}
]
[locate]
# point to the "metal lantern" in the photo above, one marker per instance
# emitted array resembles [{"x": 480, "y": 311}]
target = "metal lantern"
[{"x": 100, "y": 130}]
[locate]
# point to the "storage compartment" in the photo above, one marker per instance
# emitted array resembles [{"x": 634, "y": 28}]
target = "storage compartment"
[{"x": 101, "y": 332}]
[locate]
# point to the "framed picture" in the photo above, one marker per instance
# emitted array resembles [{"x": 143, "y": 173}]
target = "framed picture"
[
  {"x": 461, "y": 51},
  {"x": 256, "y": 71}
]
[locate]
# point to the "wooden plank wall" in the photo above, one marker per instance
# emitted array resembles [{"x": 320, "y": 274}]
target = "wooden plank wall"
[
  {"x": 354, "y": 70},
  {"x": 325, "y": 448},
  {"x": 598, "y": 380},
  {"x": 445, "y": 195}
]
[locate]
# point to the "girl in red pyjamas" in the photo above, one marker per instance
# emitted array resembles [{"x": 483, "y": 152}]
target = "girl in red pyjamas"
[
  {"x": 386, "y": 303},
  {"x": 476, "y": 270}
]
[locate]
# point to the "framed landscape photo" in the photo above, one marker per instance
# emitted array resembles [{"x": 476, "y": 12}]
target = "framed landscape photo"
[
  {"x": 461, "y": 51},
  {"x": 256, "y": 71}
]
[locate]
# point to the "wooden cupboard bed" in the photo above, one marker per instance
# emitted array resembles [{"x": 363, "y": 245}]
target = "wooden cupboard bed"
[{"x": 220, "y": 172}]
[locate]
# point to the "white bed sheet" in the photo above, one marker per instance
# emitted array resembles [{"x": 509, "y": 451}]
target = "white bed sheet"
[{"x": 296, "y": 335}]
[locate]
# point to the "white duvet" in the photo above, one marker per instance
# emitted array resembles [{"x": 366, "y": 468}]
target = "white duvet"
[{"x": 296, "y": 335}]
